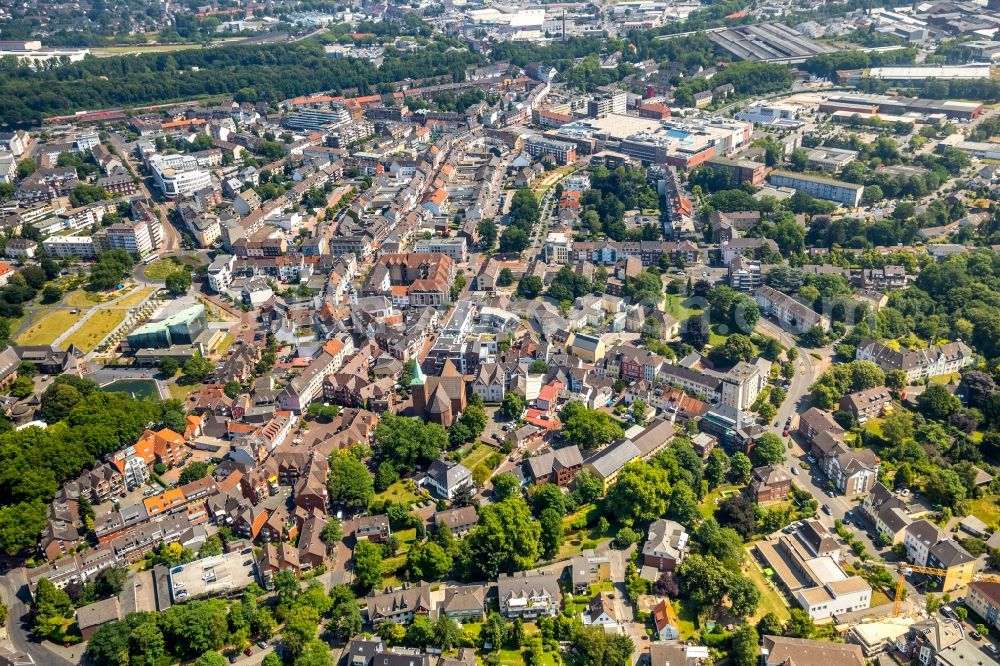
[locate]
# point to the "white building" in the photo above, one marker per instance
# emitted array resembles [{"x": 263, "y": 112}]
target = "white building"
[
  {"x": 81, "y": 247},
  {"x": 133, "y": 237},
  {"x": 220, "y": 273},
  {"x": 177, "y": 175},
  {"x": 455, "y": 248},
  {"x": 556, "y": 248}
]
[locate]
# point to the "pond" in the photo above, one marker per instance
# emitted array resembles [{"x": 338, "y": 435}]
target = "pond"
[{"x": 138, "y": 388}]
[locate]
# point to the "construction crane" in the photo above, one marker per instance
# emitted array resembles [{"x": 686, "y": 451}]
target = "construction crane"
[{"x": 906, "y": 569}]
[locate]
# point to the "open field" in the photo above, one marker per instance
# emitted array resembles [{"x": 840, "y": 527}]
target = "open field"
[
  {"x": 770, "y": 600},
  {"x": 92, "y": 331},
  {"x": 987, "y": 509},
  {"x": 48, "y": 328},
  {"x": 161, "y": 268},
  {"x": 83, "y": 299},
  {"x": 136, "y": 297},
  {"x": 398, "y": 492}
]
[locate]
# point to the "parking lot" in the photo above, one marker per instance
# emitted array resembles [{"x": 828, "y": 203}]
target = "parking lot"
[{"x": 217, "y": 575}]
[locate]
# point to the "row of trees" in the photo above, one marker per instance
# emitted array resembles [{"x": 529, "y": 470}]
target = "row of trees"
[{"x": 276, "y": 71}]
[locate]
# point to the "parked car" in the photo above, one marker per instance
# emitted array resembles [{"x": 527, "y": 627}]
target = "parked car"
[
  {"x": 248, "y": 651},
  {"x": 233, "y": 656},
  {"x": 992, "y": 649},
  {"x": 262, "y": 644},
  {"x": 811, "y": 459},
  {"x": 830, "y": 493},
  {"x": 795, "y": 471},
  {"x": 826, "y": 509},
  {"x": 976, "y": 636}
]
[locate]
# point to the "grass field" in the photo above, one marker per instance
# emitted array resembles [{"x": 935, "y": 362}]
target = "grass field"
[
  {"x": 96, "y": 328},
  {"x": 770, "y": 600},
  {"x": 398, "y": 492},
  {"x": 707, "y": 506},
  {"x": 477, "y": 454},
  {"x": 83, "y": 299},
  {"x": 153, "y": 48},
  {"x": 180, "y": 391},
  {"x": 987, "y": 509},
  {"x": 136, "y": 297},
  {"x": 161, "y": 268},
  {"x": 48, "y": 328},
  {"x": 679, "y": 307}
]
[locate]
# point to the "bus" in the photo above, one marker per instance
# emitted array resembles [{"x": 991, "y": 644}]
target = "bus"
[{"x": 150, "y": 259}]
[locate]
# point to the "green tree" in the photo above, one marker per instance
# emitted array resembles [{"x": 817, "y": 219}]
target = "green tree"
[
  {"x": 529, "y": 287},
  {"x": 367, "y": 565},
  {"x": 301, "y": 624},
  {"x": 197, "y": 368},
  {"x": 799, "y": 624},
  {"x": 506, "y": 539},
  {"x": 487, "y": 229},
  {"x": 937, "y": 403},
  {"x": 769, "y": 625},
  {"x": 588, "y": 428},
  {"x": 768, "y": 450},
  {"x": 169, "y": 367},
  {"x": 332, "y": 532},
  {"x": 745, "y": 646},
  {"x": 409, "y": 443},
  {"x": 641, "y": 493},
  {"x": 740, "y": 468},
  {"x": 736, "y": 348},
  {"x": 25, "y": 167},
  {"x": 50, "y": 609},
  {"x": 193, "y": 472},
  {"x": 428, "y": 561},
  {"x": 512, "y": 406},
  {"x": 552, "y": 533},
  {"x": 505, "y": 485},
  {"x": 349, "y": 482},
  {"x": 211, "y": 659},
  {"x": 493, "y": 631}
]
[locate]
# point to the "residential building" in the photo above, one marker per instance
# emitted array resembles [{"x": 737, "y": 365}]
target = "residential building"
[
  {"x": 400, "y": 605},
  {"x": 445, "y": 478},
  {"x": 887, "y": 512},
  {"x": 459, "y": 521},
  {"x": 983, "y": 598},
  {"x": 372, "y": 528},
  {"x": 455, "y": 248},
  {"x": 782, "y": 651},
  {"x": 529, "y": 594},
  {"x": 866, "y": 404},
  {"x": 927, "y": 546},
  {"x": 770, "y": 483},
  {"x": 820, "y": 187},
  {"x": 665, "y": 546},
  {"x": 918, "y": 364},
  {"x": 220, "y": 273},
  {"x": 464, "y": 603},
  {"x": 742, "y": 384},
  {"x": 607, "y": 463},
  {"x": 563, "y": 152},
  {"x": 558, "y": 466},
  {"x": 790, "y": 313},
  {"x": 665, "y": 621},
  {"x": 63, "y": 247}
]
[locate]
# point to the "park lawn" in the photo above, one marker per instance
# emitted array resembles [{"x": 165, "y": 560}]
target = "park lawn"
[
  {"x": 48, "y": 328},
  {"x": 551, "y": 178},
  {"x": 398, "y": 492},
  {"x": 946, "y": 379},
  {"x": 161, "y": 268},
  {"x": 680, "y": 308},
  {"x": 715, "y": 338},
  {"x": 707, "y": 505},
  {"x": 514, "y": 658},
  {"x": 136, "y": 297},
  {"x": 180, "y": 391},
  {"x": 770, "y": 600},
  {"x": 153, "y": 48},
  {"x": 80, "y": 298},
  {"x": 879, "y": 598},
  {"x": 477, "y": 454},
  {"x": 874, "y": 427},
  {"x": 95, "y": 329},
  {"x": 687, "y": 619},
  {"x": 987, "y": 509}
]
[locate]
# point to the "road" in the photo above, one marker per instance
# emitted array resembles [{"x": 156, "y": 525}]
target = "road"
[
  {"x": 171, "y": 237},
  {"x": 14, "y": 590}
]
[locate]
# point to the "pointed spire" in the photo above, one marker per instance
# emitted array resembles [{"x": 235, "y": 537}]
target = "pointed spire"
[{"x": 418, "y": 374}]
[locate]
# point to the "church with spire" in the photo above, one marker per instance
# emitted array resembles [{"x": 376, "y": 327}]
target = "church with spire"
[{"x": 441, "y": 399}]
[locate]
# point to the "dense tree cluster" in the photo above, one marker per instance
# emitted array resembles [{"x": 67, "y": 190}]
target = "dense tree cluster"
[
  {"x": 276, "y": 71},
  {"x": 524, "y": 214},
  {"x": 86, "y": 424}
]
